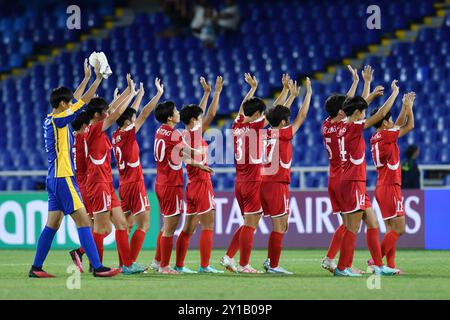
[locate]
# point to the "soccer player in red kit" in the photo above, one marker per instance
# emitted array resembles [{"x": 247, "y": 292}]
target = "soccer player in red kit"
[
  {"x": 199, "y": 190},
  {"x": 168, "y": 153},
  {"x": 355, "y": 202},
  {"x": 106, "y": 207},
  {"x": 386, "y": 156},
  {"x": 276, "y": 171},
  {"x": 333, "y": 106},
  {"x": 132, "y": 190},
  {"x": 247, "y": 152}
]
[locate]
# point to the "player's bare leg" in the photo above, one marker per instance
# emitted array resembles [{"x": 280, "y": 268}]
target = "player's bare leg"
[
  {"x": 142, "y": 222},
  {"x": 328, "y": 262},
  {"x": 395, "y": 228},
  {"x": 206, "y": 242},
  {"x": 182, "y": 244},
  {"x": 156, "y": 263},
  {"x": 169, "y": 226},
  {"x": 280, "y": 226},
  {"x": 251, "y": 222}
]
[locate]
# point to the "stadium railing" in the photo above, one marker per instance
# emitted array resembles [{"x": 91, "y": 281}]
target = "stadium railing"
[{"x": 302, "y": 171}]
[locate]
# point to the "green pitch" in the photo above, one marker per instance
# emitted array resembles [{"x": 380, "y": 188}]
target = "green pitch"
[{"x": 428, "y": 277}]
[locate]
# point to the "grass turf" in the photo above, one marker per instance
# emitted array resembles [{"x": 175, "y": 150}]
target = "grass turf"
[{"x": 427, "y": 277}]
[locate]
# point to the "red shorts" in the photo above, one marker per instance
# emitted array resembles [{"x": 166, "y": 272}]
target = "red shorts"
[
  {"x": 334, "y": 188},
  {"x": 84, "y": 195},
  {"x": 275, "y": 198},
  {"x": 390, "y": 201},
  {"x": 353, "y": 196},
  {"x": 248, "y": 196},
  {"x": 199, "y": 197},
  {"x": 102, "y": 197},
  {"x": 170, "y": 199},
  {"x": 134, "y": 197}
]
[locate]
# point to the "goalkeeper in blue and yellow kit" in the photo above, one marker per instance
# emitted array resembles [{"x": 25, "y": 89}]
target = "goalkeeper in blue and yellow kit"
[{"x": 63, "y": 194}]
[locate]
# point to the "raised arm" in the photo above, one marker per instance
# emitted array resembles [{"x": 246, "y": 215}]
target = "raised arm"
[
  {"x": 119, "y": 98},
  {"x": 149, "y": 107},
  {"x": 377, "y": 92},
  {"x": 281, "y": 100},
  {"x": 408, "y": 102},
  {"x": 82, "y": 86},
  {"x": 253, "y": 85},
  {"x": 128, "y": 95},
  {"x": 301, "y": 115},
  {"x": 212, "y": 110},
  {"x": 351, "y": 92},
  {"x": 367, "y": 75},
  {"x": 91, "y": 91},
  {"x": 382, "y": 112},
  {"x": 206, "y": 92},
  {"x": 137, "y": 102},
  {"x": 294, "y": 93}
]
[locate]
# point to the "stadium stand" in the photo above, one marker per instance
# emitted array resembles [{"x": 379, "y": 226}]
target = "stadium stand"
[{"x": 301, "y": 39}]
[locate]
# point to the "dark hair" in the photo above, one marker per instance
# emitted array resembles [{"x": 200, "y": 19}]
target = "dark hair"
[
  {"x": 96, "y": 105},
  {"x": 80, "y": 120},
  {"x": 253, "y": 105},
  {"x": 190, "y": 111},
  {"x": 126, "y": 115},
  {"x": 410, "y": 151},
  {"x": 164, "y": 110},
  {"x": 60, "y": 94},
  {"x": 277, "y": 114},
  {"x": 334, "y": 103},
  {"x": 353, "y": 104},
  {"x": 386, "y": 117}
]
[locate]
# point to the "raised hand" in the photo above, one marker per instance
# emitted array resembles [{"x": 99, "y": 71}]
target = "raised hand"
[
  {"x": 141, "y": 90},
  {"x": 133, "y": 89},
  {"x": 219, "y": 84},
  {"x": 308, "y": 86},
  {"x": 116, "y": 93},
  {"x": 285, "y": 80},
  {"x": 394, "y": 86},
  {"x": 98, "y": 75},
  {"x": 87, "y": 69},
  {"x": 408, "y": 99},
  {"x": 294, "y": 90},
  {"x": 206, "y": 86},
  {"x": 378, "y": 91},
  {"x": 129, "y": 80},
  {"x": 251, "y": 80},
  {"x": 354, "y": 72},
  {"x": 367, "y": 74},
  {"x": 159, "y": 86}
]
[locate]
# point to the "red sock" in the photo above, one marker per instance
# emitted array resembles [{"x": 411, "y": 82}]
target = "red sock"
[
  {"x": 98, "y": 239},
  {"x": 336, "y": 241},
  {"x": 388, "y": 247},
  {"x": 182, "y": 246},
  {"x": 158, "y": 247},
  {"x": 347, "y": 250},
  {"x": 234, "y": 245},
  {"x": 166, "y": 250},
  {"x": 80, "y": 249},
  {"x": 373, "y": 243},
  {"x": 136, "y": 243},
  {"x": 246, "y": 244},
  {"x": 123, "y": 247},
  {"x": 206, "y": 243},
  {"x": 275, "y": 245}
]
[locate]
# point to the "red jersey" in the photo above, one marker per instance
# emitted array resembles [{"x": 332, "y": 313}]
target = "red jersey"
[
  {"x": 352, "y": 149},
  {"x": 277, "y": 155},
  {"x": 247, "y": 148},
  {"x": 169, "y": 170},
  {"x": 386, "y": 155},
  {"x": 79, "y": 151},
  {"x": 194, "y": 139},
  {"x": 126, "y": 151},
  {"x": 98, "y": 154},
  {"x": 330, "y": 141}
]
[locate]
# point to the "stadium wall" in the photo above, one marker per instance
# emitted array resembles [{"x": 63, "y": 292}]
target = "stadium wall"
[{"x": 311, "y": 224}]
